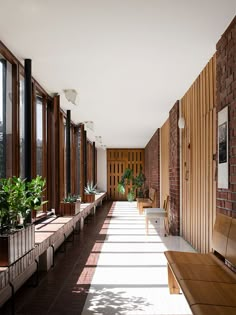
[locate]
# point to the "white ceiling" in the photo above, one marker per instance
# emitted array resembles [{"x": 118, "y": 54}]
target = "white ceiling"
[{"x": 129, "y": 60}]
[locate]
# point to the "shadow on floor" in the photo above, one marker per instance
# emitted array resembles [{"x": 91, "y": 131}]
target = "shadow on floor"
[{"x": 55, "y": 293}]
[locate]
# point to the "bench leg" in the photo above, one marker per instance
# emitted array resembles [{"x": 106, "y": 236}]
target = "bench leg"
[
  {"x": 141, "y": 208},
  {"x": 166, "y": 223},
  {"x": 146, "y": 223},
  {"x": 172, "y": 283}
]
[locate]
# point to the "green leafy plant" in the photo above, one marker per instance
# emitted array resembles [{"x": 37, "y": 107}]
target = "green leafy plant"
[
  {"x": 34, "y": 192},
  {"x": 90, "y": 188},
  {"x": 71, "y": 198},
  {"x": 17, "y": 199},
  {"x": 139, "y": 181},
  {"x": 136, "y": 183},
  {"x": 5, "y": 220}
]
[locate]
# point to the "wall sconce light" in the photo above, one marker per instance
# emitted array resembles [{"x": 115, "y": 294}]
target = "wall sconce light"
[{"x": 181, "y": 123}]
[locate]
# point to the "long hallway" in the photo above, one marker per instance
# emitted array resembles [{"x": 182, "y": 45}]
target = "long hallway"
[{"x": 112, "y": 267}]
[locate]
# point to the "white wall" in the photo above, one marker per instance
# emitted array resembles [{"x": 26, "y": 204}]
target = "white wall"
[{"x": 102, "y": 169}]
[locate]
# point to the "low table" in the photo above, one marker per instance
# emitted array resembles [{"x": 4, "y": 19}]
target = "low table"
[{"x": 156, "y": 213}]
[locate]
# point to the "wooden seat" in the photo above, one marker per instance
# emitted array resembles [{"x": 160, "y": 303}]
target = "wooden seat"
[
  {"x": 207, "y": 282},
  {"x": 149, "y": 202},
  {"x": 158, "y": 213}
]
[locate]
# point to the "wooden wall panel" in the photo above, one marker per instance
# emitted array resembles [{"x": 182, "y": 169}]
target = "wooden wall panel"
[
  {"x": 62, "y": 157},
  {"x": 117, "y": 161},
  {"x": 74, "y": 161},
  {"x": 91, "y": 163},
  {"x": 198, "y": 165},
  {"x": 164, "y": 161}
]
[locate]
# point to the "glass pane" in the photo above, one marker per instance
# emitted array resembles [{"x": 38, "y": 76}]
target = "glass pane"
[
  {"x": 2, "y": 127},
  {"x": 22, "y": 126},
  {"x": 5, "y": 118},
  {"x": 78, "y": 160},
  {"x": 65, "y": 186},
  {"x": 39, "y": 136}
]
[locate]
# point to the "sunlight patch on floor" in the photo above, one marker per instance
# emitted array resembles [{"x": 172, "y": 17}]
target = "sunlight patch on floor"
[{"x": 131, "y": 275}]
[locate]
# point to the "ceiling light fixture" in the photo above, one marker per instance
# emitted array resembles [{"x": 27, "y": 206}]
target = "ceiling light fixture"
[
  {"x": 98, "y": 139},
  {"x": 89, "y": 125},
  {"x": 71, "y": 96}
]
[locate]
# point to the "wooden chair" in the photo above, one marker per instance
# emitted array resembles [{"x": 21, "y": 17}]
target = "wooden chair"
[
  {"x": 149, "y": 202},
  {"x": 159, "y": 213}
]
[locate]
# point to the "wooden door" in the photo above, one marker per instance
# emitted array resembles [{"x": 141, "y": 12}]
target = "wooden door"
[{"x": 117, "y": 161}]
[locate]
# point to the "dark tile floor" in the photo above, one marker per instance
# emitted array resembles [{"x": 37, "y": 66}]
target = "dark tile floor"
[{"x": 63, "y": 290}]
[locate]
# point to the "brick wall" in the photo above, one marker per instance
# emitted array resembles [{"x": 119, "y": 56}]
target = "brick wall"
[
  {"x": 226, "y": 96},
  {"x": 174, "y": 170},
  {"x": 152, "y": 164}
]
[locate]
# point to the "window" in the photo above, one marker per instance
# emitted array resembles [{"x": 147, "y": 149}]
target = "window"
[
  {"x": 78, "y": 160},
  {"x": 22, "y": 129},
  {"x": 65, "y": 173},
  {"x": 5, "y": 118},
  {"x": 39, "y": 136}
]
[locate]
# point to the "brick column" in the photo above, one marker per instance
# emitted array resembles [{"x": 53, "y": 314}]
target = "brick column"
[
  {"x": 152, "y": 164},
  {"x": 226, "y": 96},
  {"x": 174, "y": 170}
]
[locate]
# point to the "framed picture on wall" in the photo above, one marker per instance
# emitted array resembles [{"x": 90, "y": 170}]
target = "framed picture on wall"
[
  {"x": 223, "y": 168},
  {"x": 223, "y": 143}
]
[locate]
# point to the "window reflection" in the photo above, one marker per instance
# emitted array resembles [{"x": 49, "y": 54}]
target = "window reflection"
[
  {"x": 39, "y": 136},
  {"x": 5, "y": 118},
  {"x": 22, "y": 124}
]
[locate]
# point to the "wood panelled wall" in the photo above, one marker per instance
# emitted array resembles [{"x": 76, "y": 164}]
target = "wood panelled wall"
[
  {"x": 164, "y": 161},
  {"x": 117, "y": 161},
  {"x": 198, "y": 164}
]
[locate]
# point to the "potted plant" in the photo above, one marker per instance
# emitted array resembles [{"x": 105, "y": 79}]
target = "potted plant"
[
  {"x": 134, "y": 184},
  {"x": 139, "y": 181},
  {"x": 34, "y": 191},
  {"x": 70, "y": 205},
  {"x": 90, "y": 192},
  {"x": 16, "y": 202}
]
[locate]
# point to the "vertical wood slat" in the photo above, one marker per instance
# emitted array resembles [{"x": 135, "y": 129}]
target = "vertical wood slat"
[
  {"x": 117, "y": 161},
  {"x": 198, "y": 147},
  {"x": 56, "y": 151},
  {"x": 82, "y": 176},
  {"x": 62, "y": 157}
]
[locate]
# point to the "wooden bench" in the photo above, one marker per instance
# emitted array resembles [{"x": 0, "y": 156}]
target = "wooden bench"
[
  {"x": 208, "y": 281},
  {"x": 149, "y": 202}
]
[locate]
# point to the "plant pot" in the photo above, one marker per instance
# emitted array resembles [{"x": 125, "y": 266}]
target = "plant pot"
[
  {"x": 89, "y": 198},
  {"x": 130, "y": 196},
  {"x": 15, "y": 245},
  {"x": 69, "y": 208}
]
